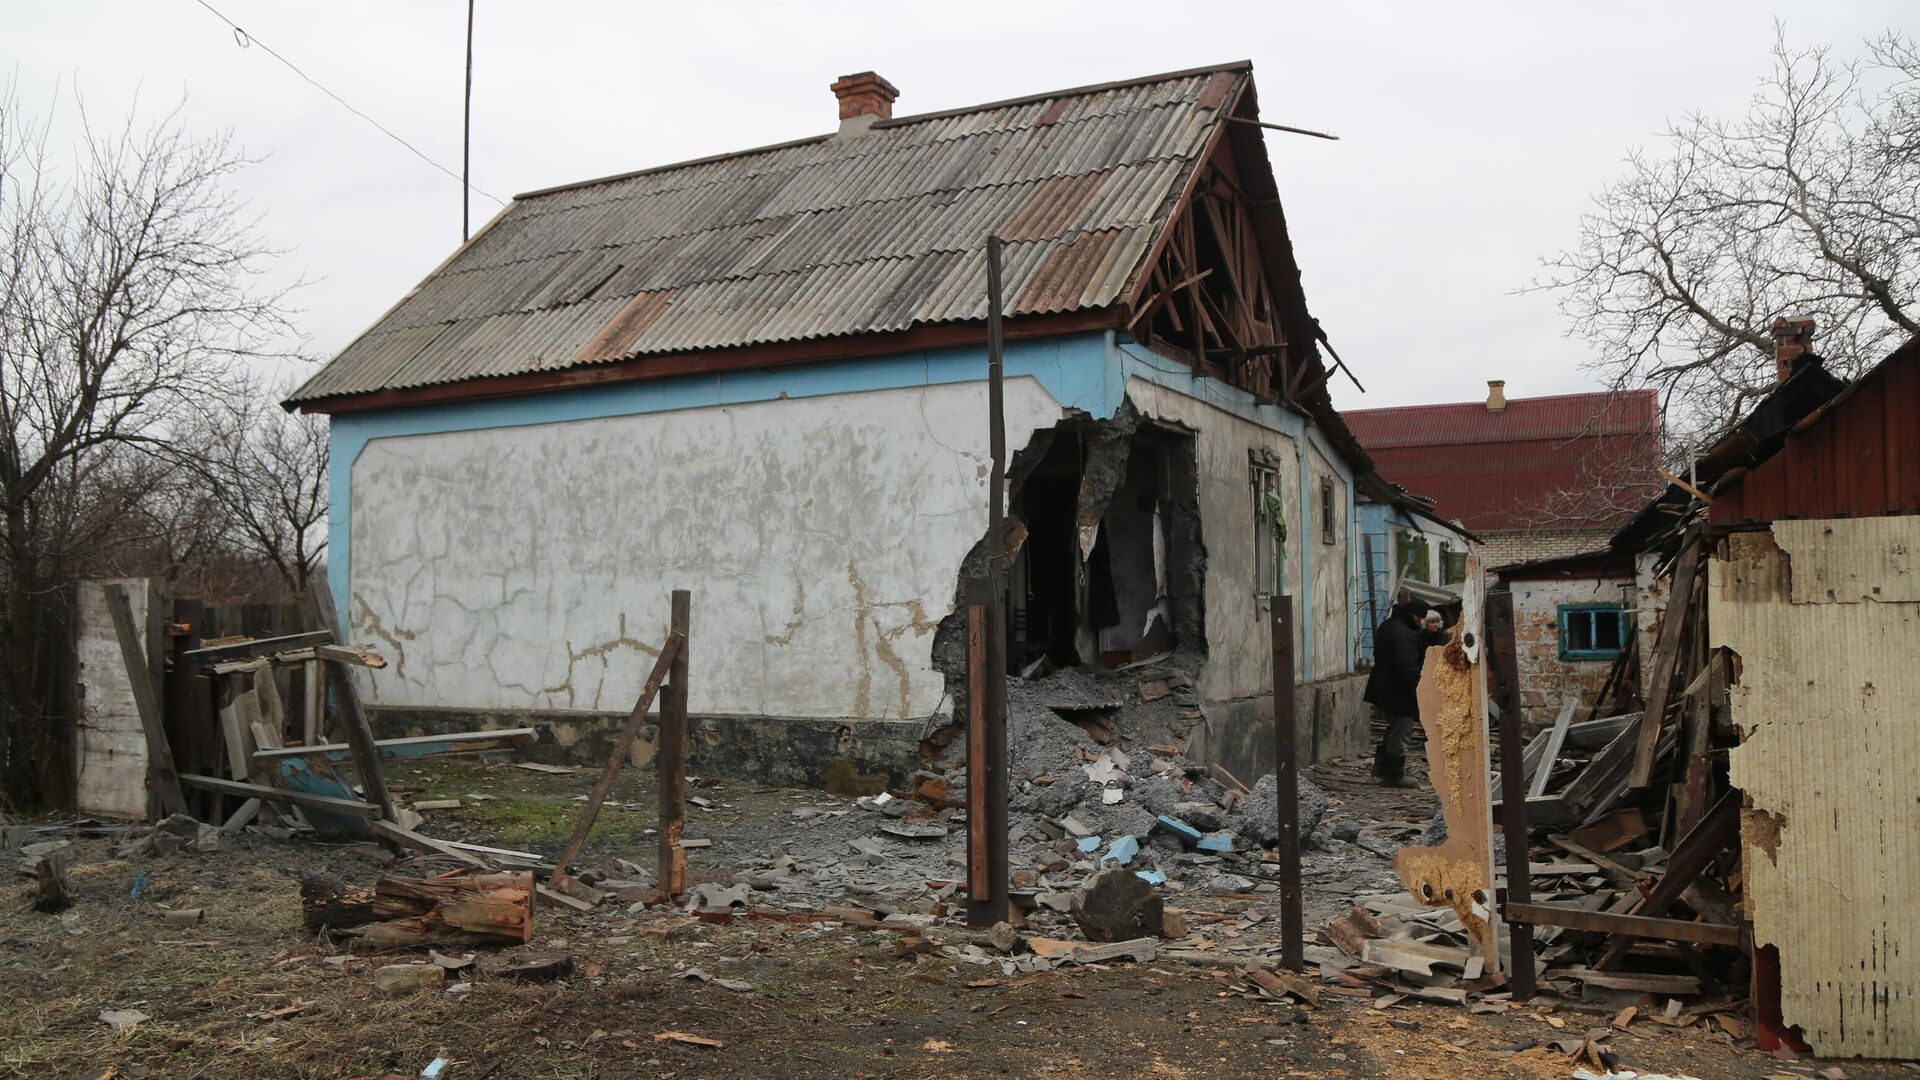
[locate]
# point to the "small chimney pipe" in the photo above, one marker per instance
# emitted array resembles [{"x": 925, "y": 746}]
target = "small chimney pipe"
[
  {"x": 1496, "y": 394},
  {"x": 1792, "y": 339}
]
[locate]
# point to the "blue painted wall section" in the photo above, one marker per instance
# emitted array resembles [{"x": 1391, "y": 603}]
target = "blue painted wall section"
[{"x": 1087, "y": 372}]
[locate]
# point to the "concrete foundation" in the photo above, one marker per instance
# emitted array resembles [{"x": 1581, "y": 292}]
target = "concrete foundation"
[
  {"x": 845, "y": 756},
  {"x": 1331, "y": 722}
]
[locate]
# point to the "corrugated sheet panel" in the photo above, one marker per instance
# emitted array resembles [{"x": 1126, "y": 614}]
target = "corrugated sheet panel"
[
  {"x": 1858, "y": 456},
  {"x": 826, "y": 237},
  {"x": 1828, "y": 703}
]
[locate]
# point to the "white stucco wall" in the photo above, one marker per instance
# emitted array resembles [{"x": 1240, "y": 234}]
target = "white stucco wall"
[
  {"x": 1327, "y": 569},
  {"x": 530, "y": 567}
]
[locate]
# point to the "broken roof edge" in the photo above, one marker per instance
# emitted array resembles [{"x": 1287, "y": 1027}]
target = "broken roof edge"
[
  {"x": 856, "y": 345},
  {"x": 896, "y": 122}
]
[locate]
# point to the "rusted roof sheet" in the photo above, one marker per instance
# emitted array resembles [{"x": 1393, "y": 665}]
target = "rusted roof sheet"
[{"x": 825, "y": 237}]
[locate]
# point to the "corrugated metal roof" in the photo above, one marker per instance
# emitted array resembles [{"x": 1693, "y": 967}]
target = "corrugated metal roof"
[
  {"x": 820, "y": 238},
  {"x": 1492, "y": 470},
  {"x": 1561, "y": 416}
]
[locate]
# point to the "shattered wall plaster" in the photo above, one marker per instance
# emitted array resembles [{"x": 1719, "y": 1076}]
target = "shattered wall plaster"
[{"x": 1828, "y": 706}]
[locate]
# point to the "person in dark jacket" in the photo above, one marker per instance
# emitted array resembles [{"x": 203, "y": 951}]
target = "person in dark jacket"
[{"x": 1399, "y": 650}]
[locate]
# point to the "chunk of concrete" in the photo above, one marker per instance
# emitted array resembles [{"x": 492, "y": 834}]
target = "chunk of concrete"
[
  {"x": 1257, "y": 815},
  {"x": 1115, "y": 905}
]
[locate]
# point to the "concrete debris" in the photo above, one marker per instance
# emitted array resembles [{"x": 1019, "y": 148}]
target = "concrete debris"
[
  {"x": 407, "y": 978},
  {"x": 1257, "y": 814},
  {"x": 1118, "y": 906},
  {"x": 176, "y": 832},
  {"x": 711, "y": 897}
]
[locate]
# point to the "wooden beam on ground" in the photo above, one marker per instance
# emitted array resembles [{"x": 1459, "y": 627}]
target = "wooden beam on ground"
[
  {"x": 458, "y": 742},
  {"x": 670, "y": 871},
  {"x": 162, "y": 777},
  {"x": 1645, "y": 926},
  {"x": 622, "y": 749},
  {"x": 1695, "y": 851},
  {"x": 1666, "y": 653},
  {"x": 281, "y": 795},
  {"x": 416, "y": 841},
  {"x": 240, "y": 650}
]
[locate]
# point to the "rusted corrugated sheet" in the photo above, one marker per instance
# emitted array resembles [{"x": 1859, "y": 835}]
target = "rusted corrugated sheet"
[
  {"x": 820, "y": 238},
  {"x": 1857, "y": 456},
  {"x": 1822, "y": 615}
]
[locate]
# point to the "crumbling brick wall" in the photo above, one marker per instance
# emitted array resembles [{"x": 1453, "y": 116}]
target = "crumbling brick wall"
[
  {"x": 1546, "y": 680},
  {"x": 1506, "y": 547}
]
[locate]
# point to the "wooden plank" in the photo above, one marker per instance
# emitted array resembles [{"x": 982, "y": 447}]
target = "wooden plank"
[
  {"x": 1645, "y": 926},
  {"x": 313, "y": 725},
  {"x": 671, "y": 868},
  {"x": 1503, "y": 655},
  {"x": 979, "y": 881},
  {"x": 1544, "y": 771},
  {"x": 161, "y": 774},
  {"x": 1666, "y": 653},
  {"x": 240, "y": 650},
  {"x": 281, "y": 795},
  {"x": 408, "y": 838},
  {"x": 347, "y": 654},
  {"x": 458, "y": 742},
  {"x": 622, "y": 750},
  {"x": 366, "y": 756}
]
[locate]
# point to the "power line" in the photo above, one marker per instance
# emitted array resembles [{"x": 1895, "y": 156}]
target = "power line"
[{"x": 246, "y": 39}]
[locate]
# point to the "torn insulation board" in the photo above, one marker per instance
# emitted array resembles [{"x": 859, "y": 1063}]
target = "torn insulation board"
[{"x": 1458, "y": 873}]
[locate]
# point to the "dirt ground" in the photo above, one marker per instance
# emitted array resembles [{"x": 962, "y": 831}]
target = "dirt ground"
[{"x": 247, "y": 994}]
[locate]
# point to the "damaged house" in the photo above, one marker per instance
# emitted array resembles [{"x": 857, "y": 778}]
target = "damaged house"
[{"x": 761, "y": 377}]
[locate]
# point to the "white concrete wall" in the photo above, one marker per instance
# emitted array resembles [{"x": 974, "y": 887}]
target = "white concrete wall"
[
  {"x": 1546, "y": 681},
  {"x": 529, "y": 567}
]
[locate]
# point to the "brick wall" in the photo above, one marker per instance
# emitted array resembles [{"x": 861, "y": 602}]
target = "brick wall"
[
  {"x": 1504, "y": 548},
  {"x": 1545, "y": 679}
]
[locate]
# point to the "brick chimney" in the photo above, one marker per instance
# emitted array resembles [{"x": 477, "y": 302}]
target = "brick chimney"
[
  {"x": 864, "y": 98},
  {"x": 1792, "y": 339},
  {"x": 1496, "y": 394}
]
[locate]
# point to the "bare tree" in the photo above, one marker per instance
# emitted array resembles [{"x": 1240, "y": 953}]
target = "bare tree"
[
  {"x": 128, "y": 290},
  {"x": 1807, "y": 205},
  {"x": 267, "y": 470}
]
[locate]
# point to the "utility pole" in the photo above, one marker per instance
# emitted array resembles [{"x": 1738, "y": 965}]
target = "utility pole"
[
  {"x": 987, "y": 745},
  {"x": 466, "y": 139}
]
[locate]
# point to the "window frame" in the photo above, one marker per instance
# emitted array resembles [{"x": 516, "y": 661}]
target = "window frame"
[
  {"x": 1329, "y": 530},
  {"x": 1264, "y": 478},
  {"x": 1572, "y": 655}
]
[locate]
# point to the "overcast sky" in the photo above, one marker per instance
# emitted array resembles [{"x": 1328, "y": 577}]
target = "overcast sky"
[{"x": 1471, "y": 134}]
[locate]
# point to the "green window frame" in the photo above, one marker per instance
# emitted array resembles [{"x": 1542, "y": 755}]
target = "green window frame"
[{"x": 1592, "y": 631}]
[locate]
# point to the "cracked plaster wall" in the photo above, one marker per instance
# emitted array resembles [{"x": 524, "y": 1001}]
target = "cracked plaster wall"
[{"x": 529, "y": 567}]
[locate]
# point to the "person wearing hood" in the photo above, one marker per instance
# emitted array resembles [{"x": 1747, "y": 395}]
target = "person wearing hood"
[{"x": 1399, "y": 651}]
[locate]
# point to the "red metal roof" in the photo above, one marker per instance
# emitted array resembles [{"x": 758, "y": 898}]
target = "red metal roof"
[
  {"x": 1497, "y": 470},
  {"x": 1856, "y": 456}
]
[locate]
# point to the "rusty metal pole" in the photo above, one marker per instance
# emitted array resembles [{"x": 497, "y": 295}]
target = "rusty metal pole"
[
  {"x": 993, "y": 906},
  {"x": 1286, "y": 777},
  {"x": 980, "y": 911},
  {"x": 1513, "y": 788},
  {"x": 670, "y": 873}
]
